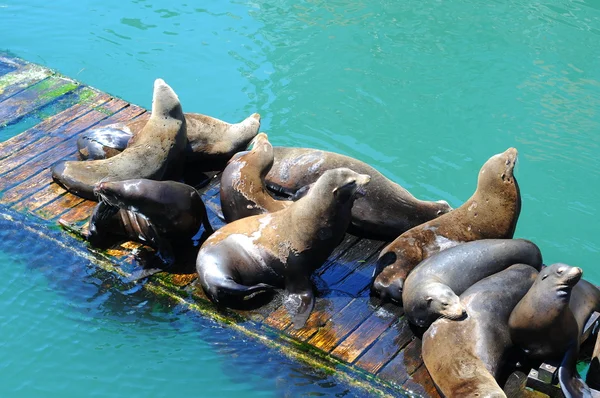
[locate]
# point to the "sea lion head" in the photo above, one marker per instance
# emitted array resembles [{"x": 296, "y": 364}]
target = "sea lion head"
[
  {"x": 498, "y": 172},
  {"x": 165, "y": 103},
  {"x": 343, "y": 183},
  {"x": 434, "y": 301},
  {"x": 560, "y": 279},
  {"x": 128, "y": 194},
  {"x": 261, "y": 154}
]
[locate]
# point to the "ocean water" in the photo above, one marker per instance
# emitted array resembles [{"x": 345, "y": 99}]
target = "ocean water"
[{"x": 426, "y": 91}]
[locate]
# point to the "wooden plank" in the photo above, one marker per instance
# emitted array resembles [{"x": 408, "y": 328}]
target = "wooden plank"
[
  {"x": 362, "y": 338},
  {"x": 421, "y": 383},
  {"x": 404, "y": 364},
  {"x": 50, "y": 155},
  {"x": 280, "y": 319},
  {"x": 52, "y": 138},
  {"x": 54, "y": 209},
  {"x": 359, "y": 255},
  {"x": 386, "y": 347},
  {"x": 340, "y": 325},
  {"x": 34, "y": 97},
  {"x": 27, "y": 188},
  {"x": 18, "y": 80},
  {"x": 16, "y": 143},
  {"x": 79, "y": 213},
  {"x": 53, "y": 190}
]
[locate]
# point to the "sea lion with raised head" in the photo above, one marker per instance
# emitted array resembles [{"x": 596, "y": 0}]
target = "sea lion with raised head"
[
  {"x": 156, "y": 152},
  {"x": 432, "y": 288},
  {"x": 548, "y": 322},
  {"x": 491, "y": 213},
  {"x": 243, "y": 192},
  {"x": 280, "y": 249},
  {"x": 386, "y": 210},
  {"x": 465, "y": 357},
  {"x": 161, "y": 214},
  {"x": 210, "y": 142}
]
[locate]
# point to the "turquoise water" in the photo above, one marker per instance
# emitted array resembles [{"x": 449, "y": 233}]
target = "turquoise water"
[{"x": 424, "y": 90}]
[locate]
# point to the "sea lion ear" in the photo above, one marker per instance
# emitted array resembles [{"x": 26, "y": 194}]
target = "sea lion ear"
[
  {"x": 429, "y": 300},
  {"x": 335, "y": 191}
]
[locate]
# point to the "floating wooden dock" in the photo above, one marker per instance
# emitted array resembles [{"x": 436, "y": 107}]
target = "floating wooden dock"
[{"x": 348, "y": 332}]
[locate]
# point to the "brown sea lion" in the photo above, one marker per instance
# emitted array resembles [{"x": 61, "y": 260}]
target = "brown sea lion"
[
  {"x": 210, "y": 142},
  {"x": 156, "y": 153},
  {"x": 548, "y": 322},
  {"x": 280, "y": 249},
  {"x": 387, "y": 209},
  {"x": 491, "y": 213},
  {"x": 432, "y": 288},
  {"x": 465, "y": 357},
  {"x": 243, "y": 191},
  {"x": 161, "y": 214}
]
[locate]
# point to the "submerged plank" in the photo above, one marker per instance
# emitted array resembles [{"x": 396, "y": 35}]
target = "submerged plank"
[
  {"x": 48, "y": 126},
  {"x": 18, "y": 80},
  {"x": 50, "y": 154},
  {"x": 34, "y": 97}
]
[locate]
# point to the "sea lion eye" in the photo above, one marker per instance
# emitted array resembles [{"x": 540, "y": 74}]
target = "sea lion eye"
[{"x": 544, "y": 276}]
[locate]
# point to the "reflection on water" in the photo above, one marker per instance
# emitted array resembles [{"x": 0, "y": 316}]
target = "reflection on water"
[{"x": 72, "y": 327}]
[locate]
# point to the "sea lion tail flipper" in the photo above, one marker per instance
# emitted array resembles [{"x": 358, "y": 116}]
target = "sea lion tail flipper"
[
  {"x": 570, "y": 381},
  {"x": 228, "y": 287},
  {"x": 299, "y": 194}
]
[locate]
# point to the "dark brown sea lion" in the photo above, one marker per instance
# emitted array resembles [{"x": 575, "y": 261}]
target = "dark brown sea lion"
[
  {"x": 280, "y": 249},
  {"x": 161, "y": 214},
  {"x": 156, "y": 152},
  {"x": 465, "y": 357},
  {"x": 243, "y": 191},
  {"x": 432, "y": 288},
  {"x": 547, "y": 323},
  {"x": 387, "y": 209},
  {"x": 491, "y": 213},
  {"x": 210, "y": 142}
]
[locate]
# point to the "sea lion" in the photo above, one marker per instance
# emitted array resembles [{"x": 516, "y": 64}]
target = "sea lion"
[
  {"x": 465, "y": 357},
  {"x": 432, "y": 288},
  {"x": 243, "y": 192},
  {"x": 387, "y": 209},
  {"x": 491, "y": 213},
  {"x": 156, "y": 152},
  {"x": 281, "y": 249},
  {"x": 162, "y": 214},
  {"x": 210, "y": 142},
  {"x": 547, "y": 323}
]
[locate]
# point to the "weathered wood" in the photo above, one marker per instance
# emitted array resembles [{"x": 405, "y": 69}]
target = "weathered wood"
[
  {"x": 34, "y": 97},
  {"x": 390, "y": 343},
  {"x": 421, "y": 383},
  {"x": 341, "y": 324},
  {"x": 21, "y": 78},
  {"x": 404, "y": 364},
  {"x": 51, "y": 154},
  {"x": 79, "y": 213},
  {"x": 362, "y": 338},
  {"x": 16, "y": 143},
  {"x": 54, "y": 209}
]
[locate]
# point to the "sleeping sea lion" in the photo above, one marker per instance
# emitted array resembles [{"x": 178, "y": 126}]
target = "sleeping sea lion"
[
  {"x": 432, "y": 288},
  {"x": 210, "y": 142},
  {"x": 161, "y": 214},
  {"x": 156, "y": 152},
  {"x": 547, "y": 323},
  {"x": 280, "y": 249},
  {"x": 386, "y": 210},
  {"x": 491, "y": 213},
  {"x": 242, "y": 190},
  {"x": 465, "y": 357}
]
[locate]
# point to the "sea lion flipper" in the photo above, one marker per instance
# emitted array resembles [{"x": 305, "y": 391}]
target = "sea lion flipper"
[
  {"x": 571, "y": 383},
  {"x": 300, "y": 300}
]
